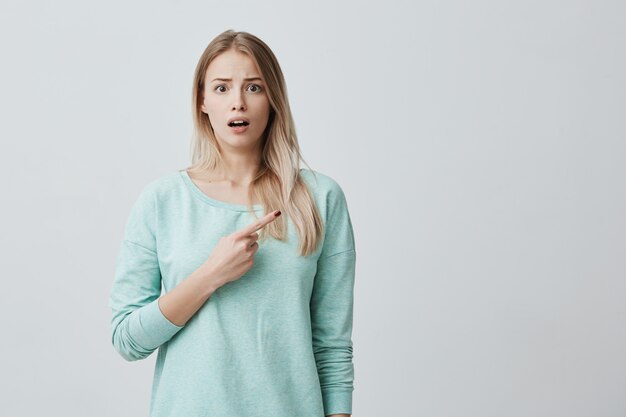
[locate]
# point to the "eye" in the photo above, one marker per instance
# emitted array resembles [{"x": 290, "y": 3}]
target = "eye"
[
  {"x": 219, "y": 86},
  {"x": 257, "y": 88}
]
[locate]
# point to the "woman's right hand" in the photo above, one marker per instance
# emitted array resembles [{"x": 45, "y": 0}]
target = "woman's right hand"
[{"x": 233, "y": 255}]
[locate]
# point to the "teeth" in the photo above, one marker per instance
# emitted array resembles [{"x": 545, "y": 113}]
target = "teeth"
[{"x": 238, "y": 122}]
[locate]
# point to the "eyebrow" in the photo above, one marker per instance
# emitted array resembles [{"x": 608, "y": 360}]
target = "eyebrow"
[{"x": 230, "y": 79}]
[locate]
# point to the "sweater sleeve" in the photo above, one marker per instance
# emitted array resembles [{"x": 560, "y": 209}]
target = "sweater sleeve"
[
  {"x": 332, "y": 307},
  {"x": 138, "y": 326}
]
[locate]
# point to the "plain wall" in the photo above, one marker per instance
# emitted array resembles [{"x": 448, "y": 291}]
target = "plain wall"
[{"x": 481, "y": 147}]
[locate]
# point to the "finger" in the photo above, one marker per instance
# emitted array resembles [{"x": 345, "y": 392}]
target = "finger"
[
  {"x": 252, "y": 238},
  {"x": 257, "y": 225}
]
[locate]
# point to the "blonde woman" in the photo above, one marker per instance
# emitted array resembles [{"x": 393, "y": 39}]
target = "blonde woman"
[{"x": 256, "y": 257}]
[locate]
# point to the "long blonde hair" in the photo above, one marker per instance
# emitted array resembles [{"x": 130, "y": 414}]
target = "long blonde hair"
[{"x": 277, "y": 183}]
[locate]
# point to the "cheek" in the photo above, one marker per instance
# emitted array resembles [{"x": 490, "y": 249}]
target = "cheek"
[
  {"x": 213, "y": 112},
  {"x": 210, "y": 103},
  {"x": 264, "y": 106}
]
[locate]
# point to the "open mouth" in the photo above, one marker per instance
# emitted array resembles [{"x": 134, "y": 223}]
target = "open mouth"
[{"x": 238, "y": 124}]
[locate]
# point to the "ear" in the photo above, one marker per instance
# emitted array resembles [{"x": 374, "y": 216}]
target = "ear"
[{"x": 201, "y": 98}]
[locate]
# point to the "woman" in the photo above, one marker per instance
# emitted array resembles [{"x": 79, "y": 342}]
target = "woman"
[{"x": 256, "y": 257}]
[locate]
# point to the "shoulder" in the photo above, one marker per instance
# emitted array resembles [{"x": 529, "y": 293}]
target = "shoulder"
[
  {"x": 333, "y": 208},
  {"x": 327, "y": 192},
  {"x": 141, "y": 224},
  {"x": 157, "y": 191},
  {"x": 161, "y": 185},
  {"x": 320, "y": 184}
]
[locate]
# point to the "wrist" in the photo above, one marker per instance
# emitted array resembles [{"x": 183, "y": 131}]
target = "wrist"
[{"x": 209, "y": 279}]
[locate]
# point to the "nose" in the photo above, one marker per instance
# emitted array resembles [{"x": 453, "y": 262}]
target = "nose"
[{"x": 239, "y": 103}]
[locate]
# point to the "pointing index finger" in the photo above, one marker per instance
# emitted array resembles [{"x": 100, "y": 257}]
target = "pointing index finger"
[{"x": 259, "y": 224}]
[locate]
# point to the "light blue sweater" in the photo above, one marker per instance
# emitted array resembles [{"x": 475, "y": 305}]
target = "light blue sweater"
[{"x": 274, "y": 343}]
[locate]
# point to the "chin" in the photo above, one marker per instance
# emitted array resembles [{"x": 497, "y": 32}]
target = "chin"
[{"x": 240, "y": 140}]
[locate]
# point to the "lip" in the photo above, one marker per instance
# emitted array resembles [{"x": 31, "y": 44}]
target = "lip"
[
  {"x": 232, "y": 119},
  {"x": 238, "y": 129}
]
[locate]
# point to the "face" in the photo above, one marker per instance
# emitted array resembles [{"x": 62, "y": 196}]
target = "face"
[{"x": 235, "y": 89}]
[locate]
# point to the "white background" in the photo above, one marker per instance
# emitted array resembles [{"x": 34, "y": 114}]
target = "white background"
[{"x": 481, "y": 147}]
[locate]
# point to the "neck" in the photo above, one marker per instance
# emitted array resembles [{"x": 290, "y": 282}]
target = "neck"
[{"x": 237, "y": 169}]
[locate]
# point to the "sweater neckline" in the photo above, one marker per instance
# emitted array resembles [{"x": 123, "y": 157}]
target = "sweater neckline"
[{"x": 210, "y": 200}]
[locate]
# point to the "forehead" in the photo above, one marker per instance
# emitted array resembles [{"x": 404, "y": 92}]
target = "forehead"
[{"x": 231, "y": 64}]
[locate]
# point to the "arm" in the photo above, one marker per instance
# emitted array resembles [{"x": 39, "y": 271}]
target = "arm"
[
  {"x": 332, "y": 307},
  {"x": 180, "y": 304},
  {"x": 138, "y": 324}
]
